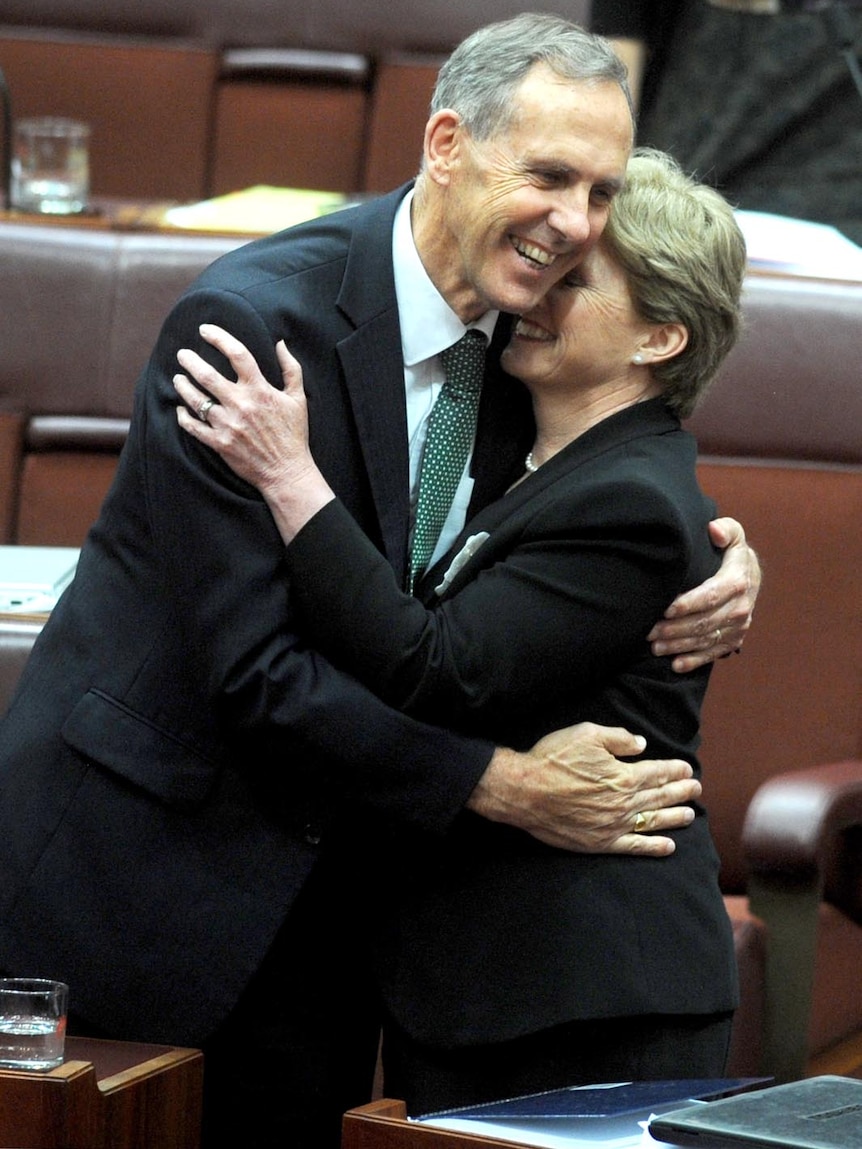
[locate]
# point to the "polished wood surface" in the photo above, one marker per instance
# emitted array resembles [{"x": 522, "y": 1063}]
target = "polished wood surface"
[
  {"x": 103, "y": 215},
  {"x": 384, "y": 1125},
  {"x": 106, "y": 1095}
]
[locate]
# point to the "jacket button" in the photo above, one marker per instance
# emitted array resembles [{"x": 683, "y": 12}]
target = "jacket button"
[{"x": 312, "y": 834}]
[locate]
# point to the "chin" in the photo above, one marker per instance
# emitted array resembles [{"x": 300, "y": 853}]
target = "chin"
[
  {"x": 517, "y": 359},
  {"x": 526, "y": 299},
  {"x": 506, "y": 294}
]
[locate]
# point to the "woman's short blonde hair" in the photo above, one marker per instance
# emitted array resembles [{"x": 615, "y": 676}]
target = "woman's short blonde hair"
[{"x": 684, "y": 257}]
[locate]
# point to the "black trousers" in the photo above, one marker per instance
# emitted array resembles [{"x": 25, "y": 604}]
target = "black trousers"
[
  {"x": 300, "y": 1047},
  {"x": 577, "y": 1053}
]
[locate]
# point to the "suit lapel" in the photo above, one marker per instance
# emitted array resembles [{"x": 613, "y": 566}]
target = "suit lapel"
[
  {"x": 641, "y": 420},
  {"x": 371, "y": 361}
]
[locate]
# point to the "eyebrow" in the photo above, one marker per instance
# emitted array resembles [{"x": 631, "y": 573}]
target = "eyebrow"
[{"x": 612, "y": 184}]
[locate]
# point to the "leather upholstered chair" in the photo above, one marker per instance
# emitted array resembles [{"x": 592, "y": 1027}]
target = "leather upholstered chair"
[
  {"x": 398, "y": 112},
  {"x": 192, "y": 98},
  {"x": 290, "y": 117},
  {"x": 80, "y": 311},
  {"x": 782, "y": 736},
  {"x": 11, "y": 432},
  {"x": 147, "y": 101}
]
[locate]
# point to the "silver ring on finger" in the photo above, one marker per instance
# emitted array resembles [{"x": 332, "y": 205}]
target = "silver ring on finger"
[{"x": 204, "y": 409}]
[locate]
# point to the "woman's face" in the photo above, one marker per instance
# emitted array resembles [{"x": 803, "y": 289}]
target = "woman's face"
[{"x": 583, "y": 333}]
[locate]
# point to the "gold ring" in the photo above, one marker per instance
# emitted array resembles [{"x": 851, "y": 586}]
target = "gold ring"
[{"x": 640, "y": 823}]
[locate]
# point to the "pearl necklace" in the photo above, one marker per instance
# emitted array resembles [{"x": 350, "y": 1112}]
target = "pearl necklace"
[{"x": 530, "y": 465}]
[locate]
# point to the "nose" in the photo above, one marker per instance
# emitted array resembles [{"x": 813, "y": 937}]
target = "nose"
[{"x": 571, "y": 215}]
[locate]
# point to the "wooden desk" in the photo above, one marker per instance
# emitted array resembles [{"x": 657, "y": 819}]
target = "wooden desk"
[
  {"x": 384, "y": 1125},
  {"x": 106, "y": 1095},
  {"x": 105, "y": 215},
  {"x": 120, "y": 215},
  {"x": 246, "y": 213}
]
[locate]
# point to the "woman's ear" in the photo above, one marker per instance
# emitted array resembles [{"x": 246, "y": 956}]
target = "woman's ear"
[
  {"x": 664, "y": 341},
  {"x": 442, "y": 144}
]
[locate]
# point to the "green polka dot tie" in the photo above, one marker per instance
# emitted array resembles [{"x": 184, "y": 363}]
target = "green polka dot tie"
[{"x": 451, "y": 428}]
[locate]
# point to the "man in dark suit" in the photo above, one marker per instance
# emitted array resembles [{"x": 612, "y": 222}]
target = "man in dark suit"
[{"x": 180, "y": 780}]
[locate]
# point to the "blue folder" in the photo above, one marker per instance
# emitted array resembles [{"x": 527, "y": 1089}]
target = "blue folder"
[{"x": 602, "y": 1101}]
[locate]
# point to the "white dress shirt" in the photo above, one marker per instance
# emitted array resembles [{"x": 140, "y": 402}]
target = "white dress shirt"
[{"x": 428, "y": 327}]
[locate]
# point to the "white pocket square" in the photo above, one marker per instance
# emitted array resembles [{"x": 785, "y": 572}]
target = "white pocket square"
[{"x": 463, "y": 556}]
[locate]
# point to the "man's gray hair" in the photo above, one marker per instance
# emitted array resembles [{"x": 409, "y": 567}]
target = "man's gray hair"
[{"x": 479, "y": 79}]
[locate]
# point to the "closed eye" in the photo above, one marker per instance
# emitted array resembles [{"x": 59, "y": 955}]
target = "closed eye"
[
  {"x": 573, "y": 279},
  {"x": 551, "y": 177},
  {"x": 603, "y": 194}
]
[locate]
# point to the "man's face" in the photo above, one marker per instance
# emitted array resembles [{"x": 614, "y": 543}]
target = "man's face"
[{"x": 520, "y": 209}]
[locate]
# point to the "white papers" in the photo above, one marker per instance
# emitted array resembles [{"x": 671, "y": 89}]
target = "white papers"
[
  {"x": 799, "y": 246},
  {"x": 624, "y": 1130},
  {"x": 554, "y": 1134},
  {"x": 33, "y": 578},
  {"x": 551, "y": 1134}
]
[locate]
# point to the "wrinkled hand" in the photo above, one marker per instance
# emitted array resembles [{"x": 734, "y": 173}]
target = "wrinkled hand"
[
  {"x": 712, "y": 620},
  {"x": 259, "y": 431},
  {"x": 572, "y": 791}
]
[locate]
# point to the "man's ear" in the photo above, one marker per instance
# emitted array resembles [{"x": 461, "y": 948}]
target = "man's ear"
[
  {"x": 664, "y": 341},
  {"x": 443, "y": 143}
]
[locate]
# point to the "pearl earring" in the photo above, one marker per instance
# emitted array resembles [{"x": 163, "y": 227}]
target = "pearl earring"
[{"x": 637, "y": 358}]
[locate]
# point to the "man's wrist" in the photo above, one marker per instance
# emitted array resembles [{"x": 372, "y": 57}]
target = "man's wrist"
[{"x": 499, "y": 793}]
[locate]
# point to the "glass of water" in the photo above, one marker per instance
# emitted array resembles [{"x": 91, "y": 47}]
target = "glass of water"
[
  {"x": 32, "y": 1022},
  {"x": 50, "y": 166}
]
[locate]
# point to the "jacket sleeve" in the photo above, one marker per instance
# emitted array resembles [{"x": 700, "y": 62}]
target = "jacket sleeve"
[
  {"x": 220, "y": 561},
  {"x": 554, "y": 609}
]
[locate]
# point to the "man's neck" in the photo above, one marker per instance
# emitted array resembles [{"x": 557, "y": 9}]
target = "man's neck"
[{"x": 438, "y": 252}]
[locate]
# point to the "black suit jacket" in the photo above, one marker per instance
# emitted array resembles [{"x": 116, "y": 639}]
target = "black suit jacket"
[
  {"x": 492, "y": 934},
  {"x": 174, "y": 756}
]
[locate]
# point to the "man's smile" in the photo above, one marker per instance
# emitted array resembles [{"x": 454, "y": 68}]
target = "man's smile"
[{"x": 536, "y": 255}]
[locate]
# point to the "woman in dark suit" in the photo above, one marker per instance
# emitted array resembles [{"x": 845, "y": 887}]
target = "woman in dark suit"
[{"x": 506, "y": 965}]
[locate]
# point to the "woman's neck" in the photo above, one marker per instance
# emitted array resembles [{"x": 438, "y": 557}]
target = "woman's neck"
[{"x": 563, "y": 416}]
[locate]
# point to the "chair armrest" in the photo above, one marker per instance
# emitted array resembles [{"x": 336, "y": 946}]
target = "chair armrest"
[
  {"x": 801, "y": 839},
  {"x": 794, "y": 818},
  {"x": 806, "y": 825},
  {"x": 295, "y": 64},
  {"x": 11, "y": 439}
]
